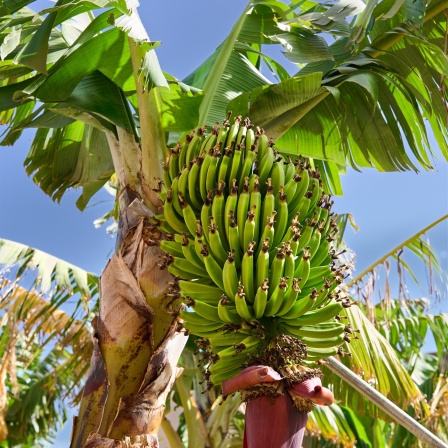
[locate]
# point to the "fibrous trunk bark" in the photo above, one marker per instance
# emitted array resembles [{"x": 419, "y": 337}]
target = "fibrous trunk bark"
[{"x": 136, "y": 343}]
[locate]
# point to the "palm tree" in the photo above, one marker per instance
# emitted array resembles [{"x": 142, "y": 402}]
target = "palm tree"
[{"x": 101, "y": 105}]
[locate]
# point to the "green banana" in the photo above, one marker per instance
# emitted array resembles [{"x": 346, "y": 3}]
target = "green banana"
[
  {"x": 249, "y": 228},
  {"x": 226, "y": 314},
  {"x": 277, "y": 267},
  {"x": 221, "y": 375},
  {"x": 222, "y": 133},
  {"x": 172, "y": 247},
  {"x": 302, "y": 306},
  {"x": 232, "y": 136},
  {"x": 263, "y": 263},
  {"x": 231, "y": 204},
  {"x": 291, "y": 187},
  {"x": 321, "y": 253},
  {"x": 203, "y": 309},
  {"x": 189, "y": 253},
  {"x": 255, "y": 206},
  {"x": 203, "y": 175},
  {"x": 290, "y": 299},
  {"x": 318, "y": 273},
  {"x": 263, "y": 144},
  {"x": 268, "y": 203},
  {"x": 329, "y": 341},
  {"x": 194, "y": 146},
  {"x": 193, "y": 183},
  {"x": 213, "y": 268},
  {"x": 276, "y": 300},
  {"x": 247, "y": 273},
  {"x": 247, "y": 166},
  {"x": 210, "y": 181},
  {"x": 224, "y": 166},
  {"x": 218, "y": 212},
  {"x": 261, "y": 299},
  {"x": 305, "y": 235},
  {"x": 290, "y": 170},
  {"x": 249, "y": 239},
  {"x": 206, "y": 211},
  {"x": 171, "y": 216},
  {"x": 242, "y": 209},
  {"x": 314, "y": 242},
  {"x": 199, "y": 291},
  {"x": 249, "y": 345},
  {"x": 234, "y": 239},
  {"x": 315, "y": 354},
  {"x": 243, "y": 309},
  {"x": 235, "y": 167},
  {"x": 323, "y": 331},
  {"x": 222, "y": 339},
  {"x": 230, "y": 275},
  {"x": 324, "y": 314},
  {"x": 281, "y": 223},
  {"x": 191, "y": 317},
  {"x": 266, "y": 163},
  {"x": 303, "y": 269},
  {"x": 277, "y": 175},
  {"x": 188, "y": 213},
  {"x": 184, "y": 265},
  {"x": 216, "y": 244},
  {"x": 199, "y": 329},
  {"x": 250, "y": 140}
]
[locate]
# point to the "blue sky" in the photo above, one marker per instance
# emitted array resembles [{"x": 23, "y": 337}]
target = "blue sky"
[{"x": 388, "y": 207}]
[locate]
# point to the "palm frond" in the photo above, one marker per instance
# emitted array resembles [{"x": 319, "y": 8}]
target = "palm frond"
[
  {"x": 51, "y": 271},
  {"x": 45, "y": 304},
  {"x": 48, "y": 356},
  {"x": 376, "y": 361},
  {"x": 368, "y": 289}
]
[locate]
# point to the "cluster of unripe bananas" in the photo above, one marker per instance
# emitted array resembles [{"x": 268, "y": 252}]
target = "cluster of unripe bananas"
[{"x": 249, "y": 242}]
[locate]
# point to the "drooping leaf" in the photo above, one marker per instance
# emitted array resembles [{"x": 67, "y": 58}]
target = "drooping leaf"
[
  {"x": 107, "y": 52},
  {"x": 49, "y": 268},
  {"x": 75, "y": 155}
]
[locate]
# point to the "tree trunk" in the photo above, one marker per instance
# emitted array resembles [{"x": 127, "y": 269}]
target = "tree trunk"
[{"x": 136, "y": 342}]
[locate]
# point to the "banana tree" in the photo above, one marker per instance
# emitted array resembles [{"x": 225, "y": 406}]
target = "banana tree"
[{"x": 101, "y": 104}]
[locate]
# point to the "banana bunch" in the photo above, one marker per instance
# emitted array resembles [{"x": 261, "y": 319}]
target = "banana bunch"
[{"x": 249, "y": 240}]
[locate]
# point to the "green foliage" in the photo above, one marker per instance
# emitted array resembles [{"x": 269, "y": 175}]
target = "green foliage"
[{"x": 45, "y": 351}]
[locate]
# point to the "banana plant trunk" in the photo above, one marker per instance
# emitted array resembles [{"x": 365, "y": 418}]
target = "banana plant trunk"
[{"x": 136, "y": 342}]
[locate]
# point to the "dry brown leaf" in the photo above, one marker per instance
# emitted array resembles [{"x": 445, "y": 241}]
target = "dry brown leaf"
[{"x": 124, "y": 334}]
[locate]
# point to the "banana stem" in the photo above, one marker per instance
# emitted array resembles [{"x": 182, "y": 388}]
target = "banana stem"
[
  {"x": 172, "y": 437},
  {"x": 197, "y": 433},
  {"x": 394, "y": 250},
  {"x": 384, "y": 404}
]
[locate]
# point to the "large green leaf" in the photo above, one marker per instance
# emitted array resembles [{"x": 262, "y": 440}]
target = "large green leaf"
[
  {"x": 10, "y": 6},
  {"x": 98, "y": 94},
  {"x": 107, "y": 52},
  {"x": 276, "y": 108},
  {"x": 34, "y": 54},
  {"x": 75, "y": 155},
  {"x": 240, "y": 76}
]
